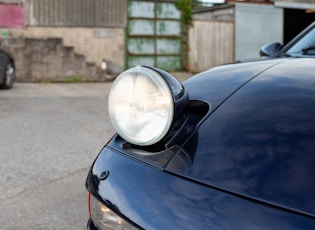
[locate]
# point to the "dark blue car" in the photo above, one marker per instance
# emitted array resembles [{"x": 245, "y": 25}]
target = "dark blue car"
[
  {"x": 7, "y": 69},
  {"x": 231, "y": 148}
]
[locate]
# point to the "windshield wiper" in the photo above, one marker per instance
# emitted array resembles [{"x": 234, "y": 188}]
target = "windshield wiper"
[{"x": 308, "y": 49}]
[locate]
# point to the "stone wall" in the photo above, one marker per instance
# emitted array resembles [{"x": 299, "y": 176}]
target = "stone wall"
[
  {"x": 46, "y": 60},
  {"x": 36, "y": 50}
]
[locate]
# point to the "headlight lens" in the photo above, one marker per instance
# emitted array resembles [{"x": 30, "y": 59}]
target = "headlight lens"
[
  {"x": 141, "y": 106},
  {"x": 104, "y": 218}
]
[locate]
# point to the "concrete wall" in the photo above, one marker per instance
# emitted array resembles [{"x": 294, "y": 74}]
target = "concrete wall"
[
  {"x": 94, "y": 43},
  {"x": 255, "y": 26}
]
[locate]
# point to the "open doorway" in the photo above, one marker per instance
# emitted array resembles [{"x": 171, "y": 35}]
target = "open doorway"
[{"x": 295, "y": 20}]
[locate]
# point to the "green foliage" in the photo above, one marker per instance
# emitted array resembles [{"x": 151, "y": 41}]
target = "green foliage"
[
  {"x": 185, "y": 6},
  {"x": 74, "y": 79}
]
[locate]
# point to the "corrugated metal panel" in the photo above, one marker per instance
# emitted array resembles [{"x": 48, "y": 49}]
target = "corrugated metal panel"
[
  {"x": 296, "y": 1},
  {"x": 11, "y": 1},
  {"x": 78, "y": 13}
]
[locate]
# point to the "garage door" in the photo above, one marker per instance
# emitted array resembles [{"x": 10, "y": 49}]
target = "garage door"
[{"x": 153, "y": 35}]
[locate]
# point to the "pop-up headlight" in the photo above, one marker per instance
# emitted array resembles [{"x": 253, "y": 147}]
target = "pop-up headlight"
[{"x": 142, "y": 103}]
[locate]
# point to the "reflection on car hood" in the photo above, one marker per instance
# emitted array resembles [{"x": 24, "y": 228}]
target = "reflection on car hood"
[
  {"x": 217, "y": 84},
  {"x": 259, "y": 140}
]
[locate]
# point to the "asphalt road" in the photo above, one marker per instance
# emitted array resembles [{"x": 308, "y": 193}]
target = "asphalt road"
[{"x": 49, "y": 136}]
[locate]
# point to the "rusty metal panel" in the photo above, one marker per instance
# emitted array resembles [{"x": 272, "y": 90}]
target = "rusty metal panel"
[
  {"x": 141, "y": 27},
  {"x": 167, "y": 10},
  {"x": 141, "y": 46},
  {"x": 78, "y": 13},
  {"x": 153, "y": 35},
  {"x": 141, "y": 60},
  {"x": 168, "y": 46},
  {"x": 169, "y": 62},
  {"x": 137, "y": 9},
  {"x": 166, "y": 27}
]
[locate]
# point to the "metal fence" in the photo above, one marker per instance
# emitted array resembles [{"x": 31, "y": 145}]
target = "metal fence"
[{"x": 78, "y": 13}]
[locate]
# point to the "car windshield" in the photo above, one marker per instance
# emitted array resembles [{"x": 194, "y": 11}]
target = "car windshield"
[{"x": 305, "y": 45}]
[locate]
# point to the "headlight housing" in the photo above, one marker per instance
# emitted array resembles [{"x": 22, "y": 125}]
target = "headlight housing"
[{"x": 142, "y": 104}]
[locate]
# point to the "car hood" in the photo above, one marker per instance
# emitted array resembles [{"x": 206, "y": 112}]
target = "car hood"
[
  {"x": 218, "y": 83},
  {"x": 258, "y": 139}
]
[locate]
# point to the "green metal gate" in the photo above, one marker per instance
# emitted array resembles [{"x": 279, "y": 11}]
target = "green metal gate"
[{"x": 153, "y": 35}]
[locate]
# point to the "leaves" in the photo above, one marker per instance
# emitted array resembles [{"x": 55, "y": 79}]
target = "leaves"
[{"x": 185, "y": 6}]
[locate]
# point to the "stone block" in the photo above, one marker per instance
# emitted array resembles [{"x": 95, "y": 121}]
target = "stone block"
[
  {"x": 52, "y": 58},
  {"x": 14, "y": 42},
  {"x": 68, "y": 51},
  {"x": 39, "y": 67},
  {"x": 36, "y": 76}
]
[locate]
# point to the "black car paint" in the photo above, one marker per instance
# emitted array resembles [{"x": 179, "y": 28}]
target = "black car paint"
[
  {"x": 266, "y": 184},
  {"x": 8, "y": 56},
  {"x": 155, "y": 199},
  {"x": 260, "y": 143}
]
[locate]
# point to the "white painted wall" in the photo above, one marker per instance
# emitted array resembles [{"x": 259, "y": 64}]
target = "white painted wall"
[{"x": 255, "y": 26}]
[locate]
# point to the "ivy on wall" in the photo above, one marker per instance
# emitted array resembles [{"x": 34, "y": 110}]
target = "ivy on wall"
[{"x": 185, "y": 6}]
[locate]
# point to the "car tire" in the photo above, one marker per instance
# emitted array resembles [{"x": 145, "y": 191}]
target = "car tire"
[{"x": 7, "y": 72}]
